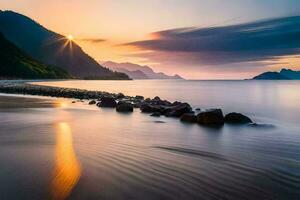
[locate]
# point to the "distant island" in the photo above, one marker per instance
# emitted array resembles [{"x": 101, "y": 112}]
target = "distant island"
[
  {"x": 284, "y": 74},
  {"x": 136, "y": 71},
  {"x": 51, "y": 49}
]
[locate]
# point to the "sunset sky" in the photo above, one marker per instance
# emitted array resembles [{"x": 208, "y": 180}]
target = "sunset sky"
[{"x": 193, "y": 38}]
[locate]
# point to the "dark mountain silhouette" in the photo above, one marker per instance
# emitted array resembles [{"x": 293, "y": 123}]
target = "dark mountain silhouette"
[
  {"x": 284, "y": 74},
  {"x": 131, "y": 69},
  {"x": 52, "y": 48},
  {"x": 15, "y": 64},
  {"x": 291, "y": 74},
  {"x": 136, "y": 74}
]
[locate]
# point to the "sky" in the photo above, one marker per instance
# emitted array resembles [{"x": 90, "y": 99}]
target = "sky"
[{"x": 198, "y": 39}]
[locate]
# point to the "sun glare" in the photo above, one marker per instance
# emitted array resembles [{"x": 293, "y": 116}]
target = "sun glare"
[{"x": 70, "y": 37}]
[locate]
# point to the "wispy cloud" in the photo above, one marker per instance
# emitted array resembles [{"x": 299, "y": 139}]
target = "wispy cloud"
[{"x": 243, "y": 43}]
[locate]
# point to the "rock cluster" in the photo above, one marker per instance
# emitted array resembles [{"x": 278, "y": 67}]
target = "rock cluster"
[{"x": 122, "y": 103}]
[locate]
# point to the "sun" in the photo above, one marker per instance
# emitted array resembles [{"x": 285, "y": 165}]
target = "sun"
[{"x": 70, "y": 37}]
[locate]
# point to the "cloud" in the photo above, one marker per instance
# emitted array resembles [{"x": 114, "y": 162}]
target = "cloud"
[
  {"x": 242, "y": 43},
  {"x": 93, "y": 40}
]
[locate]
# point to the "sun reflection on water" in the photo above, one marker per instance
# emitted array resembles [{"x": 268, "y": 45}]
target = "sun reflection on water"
[
  {"x": 61, "y": 104},
  {"x": 67, "y": 169}
]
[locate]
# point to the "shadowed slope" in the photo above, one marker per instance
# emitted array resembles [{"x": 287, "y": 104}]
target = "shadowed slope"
[
  {"x": 14, "y": 63},
  {"x": 52, "y": 48}
]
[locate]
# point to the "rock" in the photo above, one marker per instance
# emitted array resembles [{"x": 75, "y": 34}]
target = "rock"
[
  {"x": 108, "y": 102},
  {"x": 179, "y": 110},
  {"x": 188, "y": 117},
  {"x": 198, "y": 109},
  {"x": 211, "y": 117},
  {"x": 155, "y": 114},
  {"x": 156, "y": 98},
  {"x": 124, "y": 107},
  {"x": 138, "y": 97},
  {"x": 237, "y": 118},
  {"x": 73, "y": 101},
  {"x": 92, "y": 102},
  {"x": 165, "y": 103},
  {"x": 137, "y": 105},
  {"x": 147, "y": 108},
  {"x": 176, "y": 103},
  {"x": 120, "y": 96}
]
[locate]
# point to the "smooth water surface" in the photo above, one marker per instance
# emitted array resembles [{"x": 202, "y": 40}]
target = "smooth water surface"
[
  {"x": 53, "y": 149},
  {"x": 276, "y": 100}
]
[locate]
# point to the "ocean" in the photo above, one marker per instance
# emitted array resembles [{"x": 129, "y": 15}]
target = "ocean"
[{"x": 51, "y": 148}]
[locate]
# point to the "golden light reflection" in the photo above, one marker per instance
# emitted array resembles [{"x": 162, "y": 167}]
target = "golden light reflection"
[
  {"x": 61, "y": 104},
  {"x": 67, "y": 169}
]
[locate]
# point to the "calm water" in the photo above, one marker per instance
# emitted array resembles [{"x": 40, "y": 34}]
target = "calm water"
[{"x": 53, "y": 149}]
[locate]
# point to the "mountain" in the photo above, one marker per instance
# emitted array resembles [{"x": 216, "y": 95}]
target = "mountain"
[
  {"x": 284, "y": 74},
  {"x": 52, "y": 48},
  {"x": 131, "y": 67},
  {"x": 136, "y": 74},
  {"x": 291, "y": 74},
  {"x": 271, "y": 76},
  {"x": 15, "y": 64}
]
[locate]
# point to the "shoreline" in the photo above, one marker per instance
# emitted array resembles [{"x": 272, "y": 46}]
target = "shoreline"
[{"x": 156, "y": 107}]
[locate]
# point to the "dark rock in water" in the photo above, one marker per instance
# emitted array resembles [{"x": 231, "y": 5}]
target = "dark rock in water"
[
  {"x": 73, "y": 101},
  {"x": 176, "y": 103},
  {"x": 198, "y": 109},
  {"x": 237, "y": 118},
  {"x": 156, "y": 98},
  {"x": 137, "y": 105},
  {"x": 124, "y": 107},
  {"x": 211, "y": 117},
  {"x": 138, "y": 97},
  {"x": 165, "y": 103},
  {"x": 120, "y": 96},
  {"x": 188, "y": 117},
  {"x": 147, "y": 108},
  {"x": 155, "y": 114},
  {"x": 108, "y": 102},
  {"x": 92, "y": 102},
  {"x": 179, "y": 110}
]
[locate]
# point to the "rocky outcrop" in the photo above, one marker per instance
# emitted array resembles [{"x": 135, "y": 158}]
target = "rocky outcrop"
[
  {"x": 164, "y": 107},
  {"x": 156, "y": 106},
  {"x": 147, "y": 108},
  {"x": 92, "y": 102},
  {"x": 188, "y": 117},
  {"x": 237, "y": 118},
  {"x": 179, "y": 110},
  {"x": 107, "y": 102},
  {"x": 211, "y": 117},
  {"x": 124, "y": 107}
]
